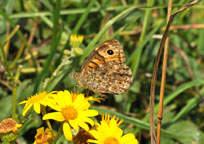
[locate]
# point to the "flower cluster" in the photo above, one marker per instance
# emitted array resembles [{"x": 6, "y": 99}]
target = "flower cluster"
[{"x": 73, "y": 111}]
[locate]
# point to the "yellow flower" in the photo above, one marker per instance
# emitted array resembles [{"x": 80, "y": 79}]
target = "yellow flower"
[
  {"x": 76, "y": 40},
  {"x": 106, "y": 118},
  {"x": 36, "y": 101},
  {"x": 73, "y": 113},
  {"x": 43, "y": 137},
  {"x": 108, "y": 132}
]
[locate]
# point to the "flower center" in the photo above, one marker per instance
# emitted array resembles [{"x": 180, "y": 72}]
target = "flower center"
[
  {"x": 69, "y": 113},
  {"x": 111, "y": 140}
]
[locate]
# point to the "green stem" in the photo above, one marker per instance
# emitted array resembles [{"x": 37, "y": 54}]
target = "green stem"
[
  {"x": 5, "y": 63},
  {"x": 47, "y": 121},
  {"x": 16, "y": 78},
  {"x": 58, "y": 134},
  {"x": 14, "y": 101},
  {"x": 11, "y": 34},
  {"x": 136, "y": 60},
  {"x": 56, "y": 72}
]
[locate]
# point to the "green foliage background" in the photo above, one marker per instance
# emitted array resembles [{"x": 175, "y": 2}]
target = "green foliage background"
[{"x": 137, "y": 25}]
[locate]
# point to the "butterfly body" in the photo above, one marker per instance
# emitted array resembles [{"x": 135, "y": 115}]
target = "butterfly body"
[{"x": 105, "y": 70}]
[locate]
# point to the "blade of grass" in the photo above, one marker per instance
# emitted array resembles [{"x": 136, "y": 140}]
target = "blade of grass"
[
  {"x": 188, "y": 107},
  {"x": 9, "y": 6},
  {"x": 44, "y": 18},
  {"x": 83, "y": 17},
  {"x": 90, "y": 47},
  {"x": 55, "y": 40},
  {"x": 81, "y": 10},
  {"x": 13, "y": 25},
  {"x": 169, "y": 98},
  {"x": 5, "y": 62},
  {"x": 4, "y": 56},
  {"x": 144, "y": 42},
  {"x": 147, "y": 17}
]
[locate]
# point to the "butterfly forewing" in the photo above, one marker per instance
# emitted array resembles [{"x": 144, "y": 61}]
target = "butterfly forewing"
[{"x": 101, "y": 54}]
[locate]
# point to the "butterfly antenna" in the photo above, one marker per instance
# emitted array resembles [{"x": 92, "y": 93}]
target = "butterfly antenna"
[
  {"x": 87, "y": 92},
  {"x": 76, "y": 87}
]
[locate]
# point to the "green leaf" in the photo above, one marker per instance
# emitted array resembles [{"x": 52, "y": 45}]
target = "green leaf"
[
  {"x": 5, "y": 107},
  {"x": 186, "y": 132}
]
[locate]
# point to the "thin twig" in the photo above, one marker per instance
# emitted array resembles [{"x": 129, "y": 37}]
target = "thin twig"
[
  {"x": 31, "y": 37},
  {"x": 186, "y": 27},
  {"x": 188, "y": 67},
  {"x": 185, "y": 59},
  {"x": 163, "y": 80}
]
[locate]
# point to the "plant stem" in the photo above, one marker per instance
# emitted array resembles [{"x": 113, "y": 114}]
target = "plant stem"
[
  {"x": 163, "y": 81},
  {"x": 58, "y": 134}
]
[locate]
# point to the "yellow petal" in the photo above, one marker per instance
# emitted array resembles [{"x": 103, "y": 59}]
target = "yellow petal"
[
  {"x": 74, "y": 124},
  {"x": 25, "y": 101},
  {"x": 67, "y": 131},
  {"x": 96, "y": 134},
  {"x": 55, "y": 116},
  {"x": 67, "y": 98},
  {"x": 26, "y": 108},
  {"x": 90, "y": 113},
  {"x": 52, "y": 104},
  {"x": 63, "y": 98},
  {"x": 129, "y": 139},
  {"x": 83, "y": 125},
  {"x": 36, "y": 107},
  {"x": 90, "y": 121},
  {"x": 118, "y": 132},
  {"x": 93, "y": 141},
  {"x": 57, "y": 98},
  {"x": 83, "y": 105},
  {"x": 79, "y": 99},
  {"x": 91, "y": 98},
  {"x": 40, "y": 130}
]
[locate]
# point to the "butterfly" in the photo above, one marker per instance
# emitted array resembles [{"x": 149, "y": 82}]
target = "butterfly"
[{"x": 105, "y": 70}]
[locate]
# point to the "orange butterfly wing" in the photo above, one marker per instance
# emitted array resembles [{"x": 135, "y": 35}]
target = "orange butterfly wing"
[{"x": 110, "y": 50}]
